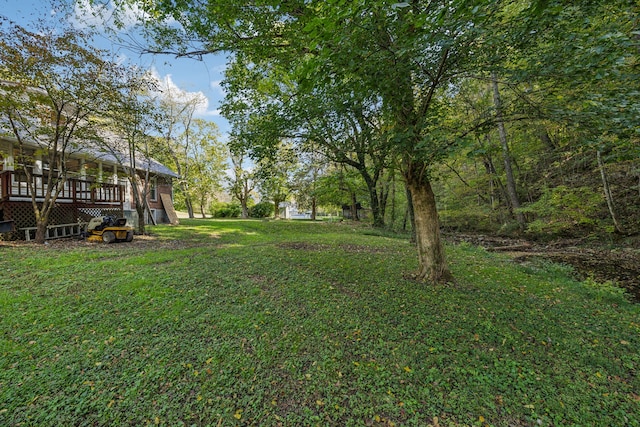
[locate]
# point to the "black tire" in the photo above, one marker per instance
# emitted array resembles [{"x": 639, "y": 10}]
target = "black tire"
[
  {"x": 108, "y": 237},
  {"x": 129, "y": 236}
]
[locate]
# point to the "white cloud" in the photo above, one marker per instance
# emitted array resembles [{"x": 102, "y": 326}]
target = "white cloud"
[
  {"x": 169, "y": 90},
  {"x": 103, "y": 16},
  {"x": 217, "y": 85},
  {"x": 214, "y": 113}
]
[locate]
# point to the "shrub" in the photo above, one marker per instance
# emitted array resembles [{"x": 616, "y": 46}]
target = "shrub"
[
  {"x": 226, "y": 210},
  {"x": 473, "y": 218},
  {"x": 261, "y": 210},
  {"x": 561, "y": 209}
]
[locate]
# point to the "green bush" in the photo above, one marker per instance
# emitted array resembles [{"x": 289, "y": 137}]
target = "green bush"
[
  {"x": 475, "y": 218},
  {"x": 561, "y": 209},
  {"x": 226, "y": 210},
  {"x": 261, "y": 210}
]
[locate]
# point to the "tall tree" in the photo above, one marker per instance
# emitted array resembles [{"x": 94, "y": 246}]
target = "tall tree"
[
  {"x": 242, "y": 182},
  {"x": 306, "y": 179},
  {"x": 274, "y": 175},
  {"x": 342, "y": 121},
  {"x": 132, "y": 117},
  {"x": 206, "y": 161},
  {"x": 351, "y": 130},
  {"x": 52, "y": 84},
  {"x": 175, "y": 125},
  {"x": 512, "y": 191}
]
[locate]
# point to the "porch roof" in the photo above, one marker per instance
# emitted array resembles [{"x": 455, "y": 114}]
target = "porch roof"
[{"x": 117, "y": 156}]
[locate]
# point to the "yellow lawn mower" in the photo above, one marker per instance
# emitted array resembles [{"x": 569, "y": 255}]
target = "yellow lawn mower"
[{"x": 108, "y": 229}]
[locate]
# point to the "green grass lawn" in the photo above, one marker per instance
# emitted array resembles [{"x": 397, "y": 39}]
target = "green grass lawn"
[{"x": 227, "y": 323}]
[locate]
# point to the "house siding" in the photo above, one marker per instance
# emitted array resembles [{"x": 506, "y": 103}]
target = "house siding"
[{"x": 163, "y": 185}]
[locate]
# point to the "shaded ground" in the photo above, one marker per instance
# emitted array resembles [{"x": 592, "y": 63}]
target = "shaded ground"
[
  {"x": 620, "y": 265},
  {"x": 139, "y": 242}
]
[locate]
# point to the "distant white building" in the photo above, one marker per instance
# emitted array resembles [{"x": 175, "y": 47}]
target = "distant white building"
[{"x": 289, "y": 210}]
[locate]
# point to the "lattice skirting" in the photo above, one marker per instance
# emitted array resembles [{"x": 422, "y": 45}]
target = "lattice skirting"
[{"x": 22, "y": 214}]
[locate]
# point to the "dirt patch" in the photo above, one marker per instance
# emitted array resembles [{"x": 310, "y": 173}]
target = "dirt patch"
[
  {"x": 142, "y": 242},
  {"x": 303, "y": 246},
  {"x": 620, "y": 265}
]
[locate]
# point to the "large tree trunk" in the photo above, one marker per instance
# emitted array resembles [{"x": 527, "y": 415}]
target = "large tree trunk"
[
  {"x": 276, "y": 209},
  {"x": 41, "y": 229},
  {"x": 374, "y": 200},
  {"x": 189, "y": 205},
  {"x": 244, "y": 199},
  {"x": 42, "y": 219},
  {"x": 410, "y": 215},
  {"x": 245, "y": 209},
  {"x": 140, "y": 210},
  {"x": 378, "y": 219},
  {"x": 202, "y": 204},
  {"x": 354, "y": 207},
  {"x": 511, "y": 182},
  {"x": 314, "y": 208},
  {"x": 139, "y": 196},
  {"x": 42, "y": 210},
  {"x": 431, "y": 258}
]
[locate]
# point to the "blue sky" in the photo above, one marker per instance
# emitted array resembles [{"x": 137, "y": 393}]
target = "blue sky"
[{"x": 185, "y": 76}]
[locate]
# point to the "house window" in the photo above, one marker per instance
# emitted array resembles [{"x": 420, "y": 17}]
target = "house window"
[{"x": 153, "y": 190}]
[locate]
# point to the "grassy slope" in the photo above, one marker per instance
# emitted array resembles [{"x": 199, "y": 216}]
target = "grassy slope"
[{"x": 295, "y": 323}]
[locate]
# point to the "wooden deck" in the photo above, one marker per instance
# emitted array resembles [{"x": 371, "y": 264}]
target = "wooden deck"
[{"x": 13, "y": 187}]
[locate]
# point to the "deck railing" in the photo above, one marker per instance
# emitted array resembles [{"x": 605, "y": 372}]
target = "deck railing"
[{"x": 13, "y": 186}]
